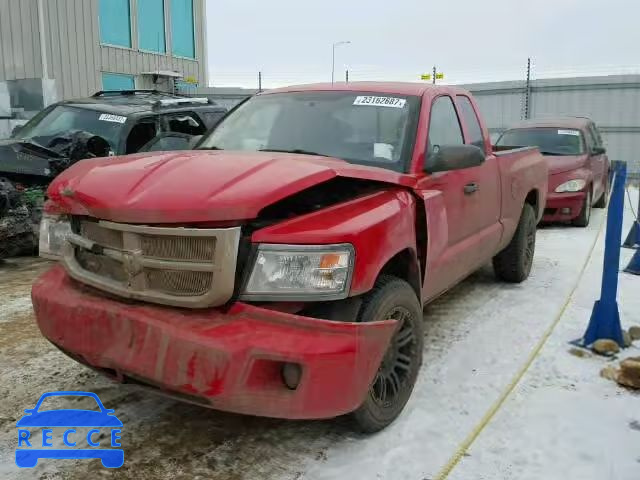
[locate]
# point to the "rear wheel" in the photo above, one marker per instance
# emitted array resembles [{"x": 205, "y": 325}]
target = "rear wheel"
[
  {"x": 513, "y": 264},
  {"x": 391, "y": 388},
  {"x": 585, "y": 214}
]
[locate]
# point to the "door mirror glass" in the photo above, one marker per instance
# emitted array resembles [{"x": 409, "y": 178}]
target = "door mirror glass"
[
  {"x": 598, "y": 151},
  {"x": 453, "y": 157}
]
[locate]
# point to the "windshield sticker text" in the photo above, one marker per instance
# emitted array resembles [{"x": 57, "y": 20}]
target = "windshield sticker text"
[
  {"x": 105, "y": 117},
  {"x": 380, "y": 101},
  {"x": 569, "y": 132}
]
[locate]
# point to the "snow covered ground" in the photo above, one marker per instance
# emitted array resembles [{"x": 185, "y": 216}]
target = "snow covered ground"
[{"x": 562, "y": 420}]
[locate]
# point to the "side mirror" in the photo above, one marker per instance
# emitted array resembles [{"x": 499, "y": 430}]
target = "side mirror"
[
  {"x": 453, "y": 157},
  {"x": 598, "y": 151},
  {"x": 16, "y": 130}
]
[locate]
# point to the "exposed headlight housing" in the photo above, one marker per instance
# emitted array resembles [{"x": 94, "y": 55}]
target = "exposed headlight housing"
[
  {"x": 300, "y": 272},
  {"x": 571, "y": 186},
  {"x": 53, "y": 234}
]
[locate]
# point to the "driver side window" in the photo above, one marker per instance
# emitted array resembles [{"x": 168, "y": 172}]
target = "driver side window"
[{"x": 444, "y": 126}]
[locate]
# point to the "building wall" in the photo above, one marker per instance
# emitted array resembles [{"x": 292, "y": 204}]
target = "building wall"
[
  {"x": 19, "y": 40},
  {"x": 76, "y": 58},
  {"x": 613, "y": 102}
]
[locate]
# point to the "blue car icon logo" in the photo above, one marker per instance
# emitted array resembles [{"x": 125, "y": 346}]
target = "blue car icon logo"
[{"x": 29, "y": 452}]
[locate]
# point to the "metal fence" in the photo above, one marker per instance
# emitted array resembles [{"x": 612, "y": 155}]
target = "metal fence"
[{"x": 613, "y": 102}]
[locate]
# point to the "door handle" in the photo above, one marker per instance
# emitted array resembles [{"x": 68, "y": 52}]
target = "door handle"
[{"x": 470, "y": 188}]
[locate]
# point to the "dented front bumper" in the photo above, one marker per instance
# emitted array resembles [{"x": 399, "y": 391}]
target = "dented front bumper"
[{"x": 229, "y": 360}]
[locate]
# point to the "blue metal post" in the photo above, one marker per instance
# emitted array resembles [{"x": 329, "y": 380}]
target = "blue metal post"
[{"x": 605, "y": 318}]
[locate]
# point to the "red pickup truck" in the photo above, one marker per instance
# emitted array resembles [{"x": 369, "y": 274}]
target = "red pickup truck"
[{"x": 281, "y": 268}]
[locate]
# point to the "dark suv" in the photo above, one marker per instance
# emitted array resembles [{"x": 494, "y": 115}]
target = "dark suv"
[
  {"x": 126, "y": 119},
  {"x": 107, "y": 123}
]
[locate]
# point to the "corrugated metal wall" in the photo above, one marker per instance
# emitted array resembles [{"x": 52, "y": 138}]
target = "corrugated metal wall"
[
  {"x": 75, "y": 58},
  {"x": 19, "y": 40},
  {"x": 613, "y": 102}
]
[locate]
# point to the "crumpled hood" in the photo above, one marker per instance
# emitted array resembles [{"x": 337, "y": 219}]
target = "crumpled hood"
[
  {"x": 196, "y": 186},
  {"x": 565, "y": 163}
]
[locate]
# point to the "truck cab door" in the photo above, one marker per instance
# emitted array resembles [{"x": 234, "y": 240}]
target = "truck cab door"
[{"x": 470, "y": 231}]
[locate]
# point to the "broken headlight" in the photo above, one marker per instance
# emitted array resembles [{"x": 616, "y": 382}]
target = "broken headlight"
[
  {"x": 300, "y": 272},
  {"x": 53, "y": 234}
]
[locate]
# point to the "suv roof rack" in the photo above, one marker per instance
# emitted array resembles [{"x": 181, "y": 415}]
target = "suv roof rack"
[
  {"x": 167, "y": 102},
  {"x": 113, "y": 93}
]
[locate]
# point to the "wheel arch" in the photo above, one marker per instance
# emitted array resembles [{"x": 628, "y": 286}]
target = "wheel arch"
[
  {"x": 533, "y": 199},
  {"x": 405, "y": 265}
]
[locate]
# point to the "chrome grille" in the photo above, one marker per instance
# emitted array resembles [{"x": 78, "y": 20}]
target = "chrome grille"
[
  {"x": 100, "y": 235},
  {"x": 178, "y": 283},
  {"x": 173, "y": 266},
  {"x": 101, "y": 265},
  {"x": 189, "y": 249}
]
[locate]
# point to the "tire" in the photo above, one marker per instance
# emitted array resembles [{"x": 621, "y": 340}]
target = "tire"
[
  {"x": 585, "y": 214},
  {"x": 602, "y": 201},
  {"x": 513, "y": 263},
  {"x": 392, "y": 386}
]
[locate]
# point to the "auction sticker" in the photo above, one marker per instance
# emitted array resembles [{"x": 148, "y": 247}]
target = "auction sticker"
[
  {"x": 105, "y": 117},
  {"x": 380, "y": 101},
  {"x": 569, "y": 132}
]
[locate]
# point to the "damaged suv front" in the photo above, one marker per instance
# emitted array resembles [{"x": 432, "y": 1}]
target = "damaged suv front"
[{"x": 232, "y": 276}]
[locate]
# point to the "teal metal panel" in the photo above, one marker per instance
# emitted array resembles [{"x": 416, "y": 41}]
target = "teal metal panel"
[
  {"x": 117, "y": 81},
  {"x": 182, "y": 35},
  {"x": 115, "y": 22},
  {"x": 151, "y": 33}
]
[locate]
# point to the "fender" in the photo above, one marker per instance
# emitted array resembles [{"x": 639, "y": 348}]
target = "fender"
[
  {"x": 378, "y": 225},
  {"x": 520, "y": 173}
]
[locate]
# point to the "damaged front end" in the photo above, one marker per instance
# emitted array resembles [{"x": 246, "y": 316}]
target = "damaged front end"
[
  {"x": 20, "y": 212},
  {"x": 26, "y": 168}
]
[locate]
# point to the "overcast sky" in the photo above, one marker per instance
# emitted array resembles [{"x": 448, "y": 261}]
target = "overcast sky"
[{"x": 290, "y": 40}]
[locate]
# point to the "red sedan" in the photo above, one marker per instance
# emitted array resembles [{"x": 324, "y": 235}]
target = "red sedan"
[{"x": 578, "y": 164}]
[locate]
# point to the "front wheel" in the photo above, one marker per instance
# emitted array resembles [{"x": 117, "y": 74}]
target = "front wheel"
[
  {"x": 392, "y": 298},
  {"x": 585, "y": 214},
  {"x": 513, "y": 264}
]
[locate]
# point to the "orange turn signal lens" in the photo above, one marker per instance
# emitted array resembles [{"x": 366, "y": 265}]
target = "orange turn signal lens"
[{"x": 329, "y": 260}]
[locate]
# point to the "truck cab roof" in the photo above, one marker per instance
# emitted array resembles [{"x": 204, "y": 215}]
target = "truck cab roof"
[{"x": 399, "y": 88}]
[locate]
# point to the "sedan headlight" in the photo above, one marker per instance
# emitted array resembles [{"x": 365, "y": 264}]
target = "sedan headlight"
[
  {"x": 571, "y": 186},
  {"x": 53, "y": 233},
  {"x": 300, "y": 272}
]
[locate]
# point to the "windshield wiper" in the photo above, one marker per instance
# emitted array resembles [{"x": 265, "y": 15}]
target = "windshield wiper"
[
  {"x": 293, "y": 150},
  {"x": 210, "y": 148},
  {"x": 555, "y": 154}
]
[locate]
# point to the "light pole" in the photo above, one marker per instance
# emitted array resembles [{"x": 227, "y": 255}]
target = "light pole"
[{"x": 333, "y": 57}]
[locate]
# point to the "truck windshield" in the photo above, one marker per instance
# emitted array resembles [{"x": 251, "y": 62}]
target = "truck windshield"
[
  {"x": 359, "y": 127},
  {"x": 49, "y": 124},
  {"x": 550, "y": 141}
]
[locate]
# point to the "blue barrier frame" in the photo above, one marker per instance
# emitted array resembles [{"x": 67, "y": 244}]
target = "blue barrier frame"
[
  {"x": 605, "y": 317},
  {"x": 633, "y": 239}
]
